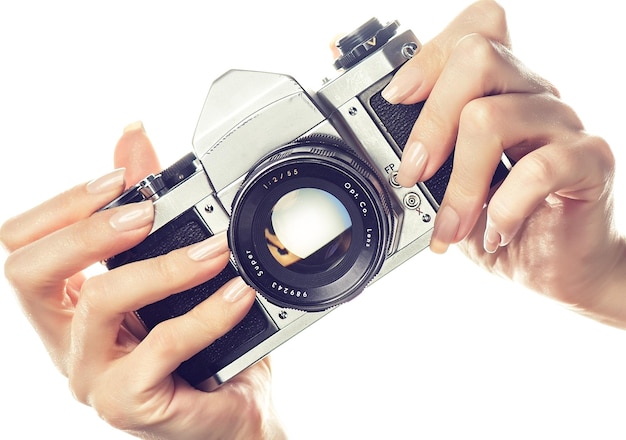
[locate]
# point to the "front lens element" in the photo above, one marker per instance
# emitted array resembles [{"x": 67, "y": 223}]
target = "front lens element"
[{"x": 310, "y": 231}]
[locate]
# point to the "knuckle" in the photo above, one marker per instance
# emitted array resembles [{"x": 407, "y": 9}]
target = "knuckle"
[
  {"x": 502, "y": 213},
  {"x": 166, "y": 268},
  {"x": 494, "y": 16},
  {"x": 95, "y": 297},
  {"x": 18, "y": 274},
  {"x": 213, "y": 328},
  {"x": 435, "y": 123},
  {"x": 481, "y": 116},
  {"x": 477, "y": 58},
  {"x": 84, "y": 235},
  {"x": 565, "y": 116},
  {"x": 12, "y": 271},
  {"x": 539, "y": 169},
  {"x": 603, "y": 171},
  {"x": 164, "y": 339},
  {"x": 604, "y": 153},
  {"x": 551, "y": 88},
  {"x": 91, "y": 294},
  {"x": 475, "y": 49}
]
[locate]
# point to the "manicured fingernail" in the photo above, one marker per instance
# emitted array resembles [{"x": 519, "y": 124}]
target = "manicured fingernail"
[
  {"x": 235, "y": 290},
  {"x": 132, "y": 216},
  {"x": 507, "y": 238},
  {"x": 492, "y": 239},
  {"x": 135, "y": 126},
  {"x": 446, "y": 227},
  {"x": 413, "y": 164},
  {"x": 108, "y": 182},
  {"x": 391, "y": 93},
  {"x": 407, "y": 79},
  {"x": 209, "y": 248}
]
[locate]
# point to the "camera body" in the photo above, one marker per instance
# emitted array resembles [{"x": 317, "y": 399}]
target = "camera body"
[{"x": 304, "y": 183}]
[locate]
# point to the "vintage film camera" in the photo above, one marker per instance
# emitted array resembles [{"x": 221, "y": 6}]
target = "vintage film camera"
[{"x": 304, "y": 184}]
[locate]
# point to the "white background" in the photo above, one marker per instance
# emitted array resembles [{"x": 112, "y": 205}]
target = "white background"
[{"x": 436, "y": 350}]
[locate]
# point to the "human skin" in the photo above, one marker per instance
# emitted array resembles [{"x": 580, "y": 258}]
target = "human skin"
[
  {"x": 82, "y": 321},
  {"x": 500, "y": 106},
  {"x": 549, "y": 226}
]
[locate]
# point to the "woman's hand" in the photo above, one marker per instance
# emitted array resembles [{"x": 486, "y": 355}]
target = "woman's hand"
[
  {"x": 82, "y": 320},
  {"x": 549, "y": 224}
]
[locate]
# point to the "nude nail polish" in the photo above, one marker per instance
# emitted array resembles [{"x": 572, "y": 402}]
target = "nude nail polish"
[
  {"x": 108, "y": 182},
  {"x": 209, "y": 248},
  {"x": 235, "y": 290},
  {"x": 446, "y": 227},
  {"x": 408, "y": 79},
  {"x": 413, "y": 164},
  {"x": 135, "y": 126},
  {"x": 492, "y": 239},
  {"x": 391, "y": 93},
  {"x": 132, "y": 216}
]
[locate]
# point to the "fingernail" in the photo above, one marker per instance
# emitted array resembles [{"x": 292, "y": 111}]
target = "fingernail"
[
  {"x": 235, "y": 290},
  {"x": 108, "y": 182},
  {"x": 133, "y": 216},
  {"x": 135, "y": 126},
  {"x": 209, "y": 248},
  {"x": 406, "y": 80},
  {"x": 391, "y": 93},
  {"x": 492, "y": 239},
  {"x": 413, "y": 164},
  {"x": 507, "y": 238},
  {"x": 446, "y": 227}
]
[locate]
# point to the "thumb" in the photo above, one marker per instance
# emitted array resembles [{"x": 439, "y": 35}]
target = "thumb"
[{"x": 135, "y": 152}]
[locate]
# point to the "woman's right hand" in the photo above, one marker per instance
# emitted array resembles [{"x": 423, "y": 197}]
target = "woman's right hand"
[
  {"x": 549, "y": 225},
  {"x": 130, "y": 382}
]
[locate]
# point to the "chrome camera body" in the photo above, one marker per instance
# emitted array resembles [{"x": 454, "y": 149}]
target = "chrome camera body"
[{"x": 304, "y": 183}]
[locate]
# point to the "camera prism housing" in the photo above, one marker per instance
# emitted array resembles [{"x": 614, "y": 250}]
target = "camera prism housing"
[{"x": 304, "y": 183}]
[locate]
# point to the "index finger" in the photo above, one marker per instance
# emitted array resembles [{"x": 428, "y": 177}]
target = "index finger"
[
  {"x": 61, "y": 211},
  {"x": 414, "y": 81}
]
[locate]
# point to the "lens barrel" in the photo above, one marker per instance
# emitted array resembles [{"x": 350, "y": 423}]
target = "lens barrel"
[{"x": 310, "y": 226}]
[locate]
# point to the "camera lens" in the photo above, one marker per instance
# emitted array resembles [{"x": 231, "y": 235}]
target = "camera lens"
[
  {"x": 310, "y": 226},
  {"x": 327, "y": 225}
]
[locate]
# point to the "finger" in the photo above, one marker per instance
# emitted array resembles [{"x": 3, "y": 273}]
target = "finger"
[
  {"x": 105, "y": 299},
  {"x": 61, "y": 211},
  {"x": 577, "y": 170},
  {"x": 135, "y": 152},
  {"x": 334, "y": 45},
  {"x": 414, "y": 81},
  {"x": 174, "y": 341},
  {"x": 476, "y": 69},
  {"x": 242, "y": 405},
  {"x": 488, "y": 126},
  {"x": 38, "y": 271}
]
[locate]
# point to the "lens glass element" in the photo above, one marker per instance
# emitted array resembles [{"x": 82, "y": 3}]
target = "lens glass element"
[
  {"x": 309, "y": 231},
  {"x": 310, "y": 226}
]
